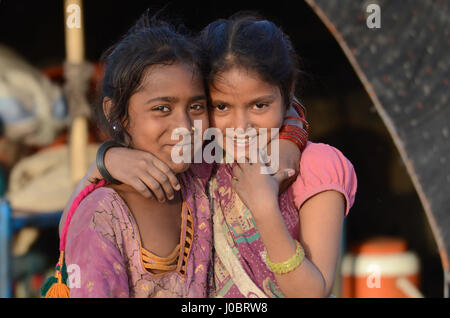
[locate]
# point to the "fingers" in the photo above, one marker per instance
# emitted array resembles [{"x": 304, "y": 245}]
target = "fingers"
[
  {"x": 168, "y": 172},
  {"x": 163, "y": 182},
  {"x": 154, "y": 186},
  {"x": 143, "y": 190},
  {"x": 234, "y": 182},
  {"x": 282, "y": 175},
  {"x": 158, "y": 177},
  {"x": 244, "y": 163},
  {"x": 143, "y": 171},
  {"x": 237, "y": 172}
]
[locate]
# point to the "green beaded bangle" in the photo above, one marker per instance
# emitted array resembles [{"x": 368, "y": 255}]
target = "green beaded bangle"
[{"x": 289, "y": 265}]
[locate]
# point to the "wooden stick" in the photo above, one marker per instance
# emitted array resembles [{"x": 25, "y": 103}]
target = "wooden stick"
[
  {"x": 73, "y": 18},
  {"x": 74, "y": 27}
]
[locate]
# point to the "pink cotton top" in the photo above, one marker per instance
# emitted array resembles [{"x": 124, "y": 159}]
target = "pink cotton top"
[
  {"x": 103, "y": 243},
  {"x": 322, "y": 167}
]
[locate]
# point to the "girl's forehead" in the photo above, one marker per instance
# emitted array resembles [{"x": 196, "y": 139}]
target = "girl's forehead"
[
  {"x": 239, "y": 81},
  {"x": 167, "y": 70},
  {"x": 170, "y": 77}
]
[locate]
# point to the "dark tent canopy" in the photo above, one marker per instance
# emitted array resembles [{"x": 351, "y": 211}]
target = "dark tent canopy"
[{"x": 404, "y": 66}]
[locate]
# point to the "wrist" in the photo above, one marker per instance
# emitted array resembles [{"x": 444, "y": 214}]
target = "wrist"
[
  {"x": 108, "y": 158},
  {"x": 100, "y": 161},
  {"x": 289, "y": 149},
  {"x": 294, "y": 134},
  {"x": 266, "y": 211},
  {"x": 291, "y": 154}
]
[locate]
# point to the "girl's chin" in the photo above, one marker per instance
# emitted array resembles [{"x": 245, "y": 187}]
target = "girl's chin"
[
  {"x": 179, "y": 167},
  {"x": 228, "y": 158},
  {"x": 243, "y": 152}
]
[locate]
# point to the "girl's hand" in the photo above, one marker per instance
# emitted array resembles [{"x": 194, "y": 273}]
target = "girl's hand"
[
  {"x": 256, "y": 190},
  {"x": 289, "y": 158},
  {"x": 141, "y": 170}
]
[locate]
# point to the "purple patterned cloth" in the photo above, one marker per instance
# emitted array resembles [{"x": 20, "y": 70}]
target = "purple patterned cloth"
[{"x": 103, "y": 247}]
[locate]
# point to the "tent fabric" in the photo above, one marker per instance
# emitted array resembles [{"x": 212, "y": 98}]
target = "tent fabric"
[
  {"x": 405, "y": 68},
  {"x": 42, "y": 183},
  {"x": 32, "y": 108}
]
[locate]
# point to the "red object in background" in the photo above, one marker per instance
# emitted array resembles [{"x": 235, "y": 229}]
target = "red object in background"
[
  {"x": 380, "y": 268},
  {"x": 56, "y": 73},
  {"x": 36, "y": 282}
]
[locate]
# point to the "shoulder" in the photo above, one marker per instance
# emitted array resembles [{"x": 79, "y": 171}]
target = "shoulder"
[
  {"x": 323, "y": 153},
  {"x": 99, "y": 211},
  {"x": 324, "y": 167},
  {"x": 100, "y": 200}
]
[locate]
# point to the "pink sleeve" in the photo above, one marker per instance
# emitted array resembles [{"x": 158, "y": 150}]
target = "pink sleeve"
[{"x": 322, "y": 168}]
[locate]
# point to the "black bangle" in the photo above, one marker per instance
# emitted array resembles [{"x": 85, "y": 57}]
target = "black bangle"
[{"x": 100, "y": 161}]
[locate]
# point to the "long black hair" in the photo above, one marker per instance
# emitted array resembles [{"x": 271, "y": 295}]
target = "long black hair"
[{"x": 149, "y": 42}]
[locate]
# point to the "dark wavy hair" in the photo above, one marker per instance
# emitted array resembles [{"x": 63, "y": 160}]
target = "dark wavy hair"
[
  {"x": 249, "y": 41},
  {"x": 149, "y": 42}
]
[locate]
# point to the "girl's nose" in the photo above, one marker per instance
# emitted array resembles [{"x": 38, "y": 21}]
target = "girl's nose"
[
  {"x": 184, "y": 121},
  {"x": 241, "y": 121},
  {"x": 182, "y": 124}
]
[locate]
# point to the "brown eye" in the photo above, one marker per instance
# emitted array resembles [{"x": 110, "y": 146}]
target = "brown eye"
[
  {"x": 161, "y": 108},
  {"x": 261, "y": 105},
  {"x": 221, "y": 107},
  {"x": 197, "y": 107}
]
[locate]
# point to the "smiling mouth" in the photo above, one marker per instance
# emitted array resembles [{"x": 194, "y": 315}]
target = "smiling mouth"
[{"x": 244, "y": 140}]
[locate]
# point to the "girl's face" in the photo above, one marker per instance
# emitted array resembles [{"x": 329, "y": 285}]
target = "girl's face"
[
  {"x": 242, "y": 99},
  {"x": 171, "y": 97}
]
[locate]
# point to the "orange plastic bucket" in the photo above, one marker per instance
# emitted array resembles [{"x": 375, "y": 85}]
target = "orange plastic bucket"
[{"x": 380, "y": 268}]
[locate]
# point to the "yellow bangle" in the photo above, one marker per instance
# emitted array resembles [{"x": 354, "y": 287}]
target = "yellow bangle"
[{"x": 289, "y": 265}]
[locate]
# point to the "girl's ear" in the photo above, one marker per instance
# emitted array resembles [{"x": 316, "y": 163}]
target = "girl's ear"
[{"x": 107, "y": 105}]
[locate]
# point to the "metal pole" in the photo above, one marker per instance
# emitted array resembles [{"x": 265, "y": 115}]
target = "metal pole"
[{"x": 5, "y": 249}]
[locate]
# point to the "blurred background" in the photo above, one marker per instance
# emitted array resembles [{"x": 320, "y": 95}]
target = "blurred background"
[{"x": 379, "y": 98}]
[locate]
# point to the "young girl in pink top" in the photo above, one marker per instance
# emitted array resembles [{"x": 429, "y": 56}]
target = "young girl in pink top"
[{"x": 268, "y": 244}]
